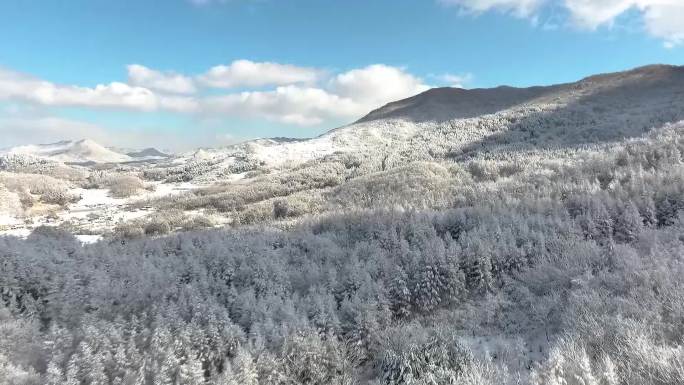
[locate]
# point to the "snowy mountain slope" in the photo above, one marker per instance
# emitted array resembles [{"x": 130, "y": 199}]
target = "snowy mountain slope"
[
  {"x": 80, "y": 151},
  {"x": 452, "y": 122},
  {"x": 439, "y": 128},
  {"x": 445, "y": 123}
]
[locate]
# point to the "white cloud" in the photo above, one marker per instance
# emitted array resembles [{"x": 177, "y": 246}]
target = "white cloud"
[
  {"x": 345, "y": 96},
  {"x": 521, "y": 8},
  {"x": 307, "y": 98},
  {"x": 593, "y": 13},
  {"x": 663, "y": 19},
  {"x": 376, "y": 85},
  {"x": 246, "y": 73},
  {"x": 666, "y": 21},
  {"x": 286, "y": 104},
  {"x": 16, "y": 86},
  {"x": 142, "y": 76},
  {"x": 457, "y": 81}
]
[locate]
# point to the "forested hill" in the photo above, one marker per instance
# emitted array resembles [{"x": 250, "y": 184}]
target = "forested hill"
[{"x": 540, "y": 244}]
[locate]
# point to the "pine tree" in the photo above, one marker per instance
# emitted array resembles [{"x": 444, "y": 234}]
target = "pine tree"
[
  {"x": 73, "y": 375},
  {"x": 96, "y": 371},
  {"x": 191, "y": 372},
  {"x": 667, "y": 208},
  {"x": 453, "y": 280},
  {"x": 54, "y": 374},
  {"x": 426, "y": 289},
  {"x": 603, "y": 222},
  {"x": 166, "y": 372},
  {"x": 244, "y": 369},
  {"x": 628, "y": 223},
  {"x": 648, "y": 213},
  {"x": 399, "y": 293},
  {"x": 479, "y": 273},
  {"x": 141, "y": 375}
]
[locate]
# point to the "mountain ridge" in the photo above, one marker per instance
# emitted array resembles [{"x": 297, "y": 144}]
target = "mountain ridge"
[
  {"x": 592, "y": 107},
  {"x": 71, "y": 151},
  {"x": 507, "y": 96}
]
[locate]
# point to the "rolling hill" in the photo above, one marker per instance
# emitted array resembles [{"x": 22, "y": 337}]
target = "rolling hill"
[{"x": 67, "y": 151}]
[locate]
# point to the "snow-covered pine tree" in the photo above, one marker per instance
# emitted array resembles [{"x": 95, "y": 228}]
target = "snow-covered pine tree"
[
  {"x": 399, "y": 293},
  {"x": 628, "y": 223}
]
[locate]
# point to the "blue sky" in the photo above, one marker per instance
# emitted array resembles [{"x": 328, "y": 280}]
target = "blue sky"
[{"x": 184, "y": 73}]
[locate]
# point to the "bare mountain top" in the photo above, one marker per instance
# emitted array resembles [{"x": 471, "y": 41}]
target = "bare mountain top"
[
  {"x": 455, "y": 103},
  {"x": 441, "y": 104}
]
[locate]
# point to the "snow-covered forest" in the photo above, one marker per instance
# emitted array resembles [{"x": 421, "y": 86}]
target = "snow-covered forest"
[{"x": 542, "y": 252}]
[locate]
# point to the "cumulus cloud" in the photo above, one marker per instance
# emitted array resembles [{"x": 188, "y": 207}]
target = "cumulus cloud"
[
  {"x": 376, "y": 85},
  {"x": 662, "y": 18},
  {"x": 17, "y": 86},
  {"x": 593, "y": 13},
  {"x": 287, "y": 104},
  {"x": 666, "y": 21},
  {"x": 170, "y": 82},
  {"x": 347, "y": 95},
  {"x": 246, "y": 73},
  {"x": 305, "y": 96}
]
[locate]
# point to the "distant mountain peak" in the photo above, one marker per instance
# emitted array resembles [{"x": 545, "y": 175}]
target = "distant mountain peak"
[
  {"x": 71, "y": 151},
  {"x": 149, "y": 152}
]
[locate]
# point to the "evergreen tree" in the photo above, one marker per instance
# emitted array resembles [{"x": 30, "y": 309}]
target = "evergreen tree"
[
  {"x": 244, "y": 368},
  {"x": 54, "y": 374},
  {"x": 191, "y": 372},
  {"x": 648, "y": 212},
  {"x": 73, "y": 374},
  {"x": 628, "y": 223},
  {"x": 399, "y": 294},
  {"x": 427, "y": 288}
]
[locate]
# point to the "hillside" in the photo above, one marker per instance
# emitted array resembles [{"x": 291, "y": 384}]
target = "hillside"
[
  {"x": 79, "y": 151},
  {"x": 450, "y": 123},
  {"x": 442, "y": 104},
  {"x": 502, "y": 127},
  {"x": 477, "y": 237}
]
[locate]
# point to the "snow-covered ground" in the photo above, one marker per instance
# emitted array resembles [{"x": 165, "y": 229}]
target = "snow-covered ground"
[
  {"x": 540, "y": 123},
  {"x": 96, "y": 212}
]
